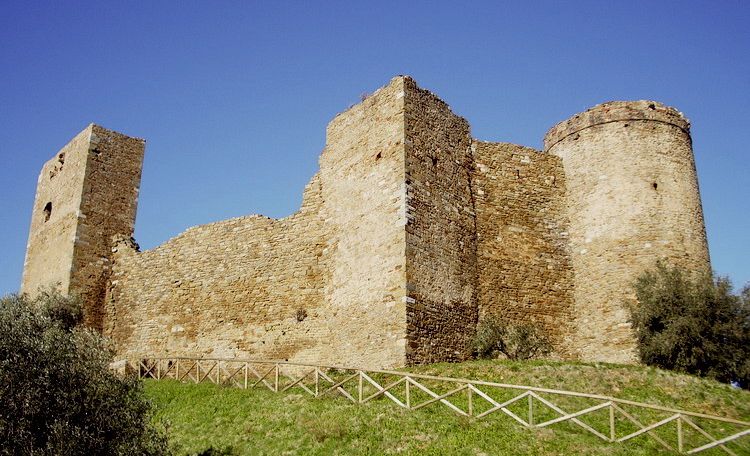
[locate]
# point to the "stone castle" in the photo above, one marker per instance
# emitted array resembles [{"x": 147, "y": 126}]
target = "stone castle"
[{"x": 410, "y": 234}]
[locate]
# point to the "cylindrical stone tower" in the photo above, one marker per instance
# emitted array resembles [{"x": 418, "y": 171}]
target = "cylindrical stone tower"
[{"x": 632, "y": 198}]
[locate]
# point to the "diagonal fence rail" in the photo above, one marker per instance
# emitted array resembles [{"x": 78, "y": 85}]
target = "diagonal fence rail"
[{"x": 610, "y": 419}]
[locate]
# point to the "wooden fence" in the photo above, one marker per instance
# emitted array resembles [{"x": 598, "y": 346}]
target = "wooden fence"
[{"x": 610, "y": 419}]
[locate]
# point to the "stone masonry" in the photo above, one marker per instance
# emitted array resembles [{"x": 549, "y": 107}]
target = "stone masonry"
[
  {"x": 85, "y": 194},
  {"x": 631, "y": 197},
  {"x": 410, "y": 234}
]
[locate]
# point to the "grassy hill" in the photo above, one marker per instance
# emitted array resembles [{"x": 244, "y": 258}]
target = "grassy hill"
[{"x": 234, "y": 421}]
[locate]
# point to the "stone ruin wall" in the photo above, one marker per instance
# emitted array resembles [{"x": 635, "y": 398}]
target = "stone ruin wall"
[
  {"x": 525, "y": 274},
  {"x": 92, "y": 187},
  {"x": 54, "y": 220},
  {"x": 409, "y": 234},
  {"x": 322, "y": 285},
  {"x": 362, "y": 170},
  {"x": 114, "y": 162},
  {"x": 229, "y": 288},
  {"x": 441, "y": 248}
]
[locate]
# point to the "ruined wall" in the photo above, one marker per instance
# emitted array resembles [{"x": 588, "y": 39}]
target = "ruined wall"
[
  {"x": 54, "y": 218},
  {"x": 632, "y": 198},
  {"x": 441, "y": 250},
  {"x": 410, "y": 232},
  {"x": 362, "y": 171},
  {"x": 108, "y": 208},
  {"x": 92, "y": 189},
  {"x": 245, "y": 286},
  {"x": 323, "y": 285},
  {"x": 523, "y": 259}
]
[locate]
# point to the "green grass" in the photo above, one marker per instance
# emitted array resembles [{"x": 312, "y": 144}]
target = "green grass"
[{"x": 198, "y": 417}]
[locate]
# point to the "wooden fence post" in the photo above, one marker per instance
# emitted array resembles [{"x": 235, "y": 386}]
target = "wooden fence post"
[
  {"x": 359, "y": 387},
  {"x": 408, "y": 393},
  {"x": 317, "y": 381},
  {"x": 531, "y": 410}
]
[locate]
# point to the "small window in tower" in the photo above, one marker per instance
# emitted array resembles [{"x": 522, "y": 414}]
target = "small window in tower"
[
  {"x": 655, "y": 185},
  {"x": 47, "y": 211}
]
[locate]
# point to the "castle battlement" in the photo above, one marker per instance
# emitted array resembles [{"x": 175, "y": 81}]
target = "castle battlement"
[{"x": 410, "y": 233}]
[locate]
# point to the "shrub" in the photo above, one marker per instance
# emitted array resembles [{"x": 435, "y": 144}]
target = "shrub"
[
  {"x": 57, "y": 395},
  {"x": 212, "y": 451},
  {"x": 515, "y": 341},
  {"x": 693, "y": 324}
]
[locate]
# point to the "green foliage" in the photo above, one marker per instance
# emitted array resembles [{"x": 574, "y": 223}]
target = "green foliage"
[
  {"x": 211, "y": 451},
  {"x": 693, "y": 324},
  {"x": 57, "y": 395},
  {"x": 515, "y": 341},
  {"x": 63, "y": 311}
]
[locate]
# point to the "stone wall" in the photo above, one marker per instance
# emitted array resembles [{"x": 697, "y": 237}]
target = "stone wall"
[
  {"x": 323, "y": 285},
  {"x": 524, "y": 263},
  {"x": 54, "y": 218},
  {"x": 362, "y": 170},
  {"x": 108, "y": 208},
  {"x": 91, "y": 187},
  {"x": 250, "y": 286},
  {"x": 441, "y": 249},
  {"x": 632, "y": 198}
]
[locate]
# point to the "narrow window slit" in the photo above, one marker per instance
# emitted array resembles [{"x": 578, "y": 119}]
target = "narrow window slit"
[{"x": 47, "y": 211}]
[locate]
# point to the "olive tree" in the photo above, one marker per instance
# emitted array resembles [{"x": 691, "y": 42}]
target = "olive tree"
[
  {"x": 57, "y": 395},
  {"x": 693, "y": 324}
]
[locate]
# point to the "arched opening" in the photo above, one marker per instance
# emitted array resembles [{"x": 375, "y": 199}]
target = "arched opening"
[{"x": 47, "y": 211}]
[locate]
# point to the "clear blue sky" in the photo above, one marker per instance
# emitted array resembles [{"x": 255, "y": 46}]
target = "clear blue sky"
[{"x": 233, "y": 98}]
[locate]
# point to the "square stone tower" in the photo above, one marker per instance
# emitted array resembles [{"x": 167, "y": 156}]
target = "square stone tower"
[{"x": 87, "y": 193}]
